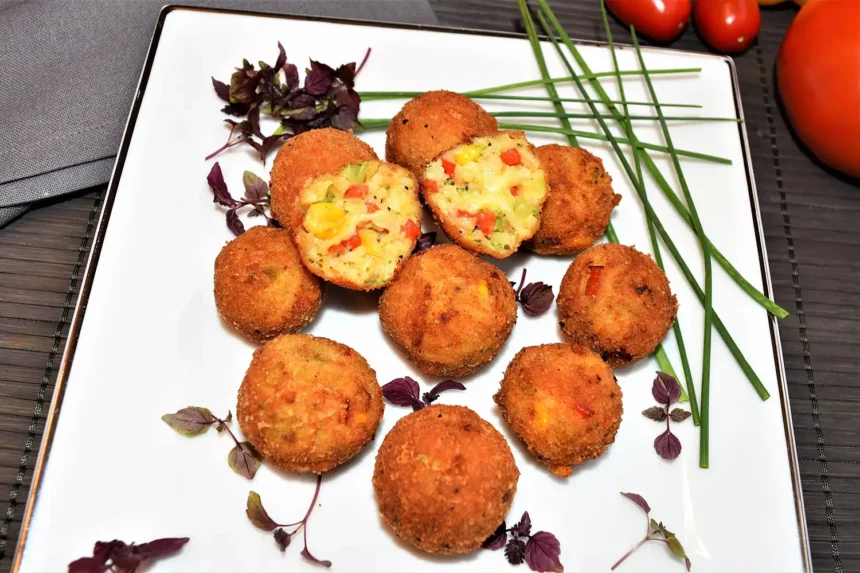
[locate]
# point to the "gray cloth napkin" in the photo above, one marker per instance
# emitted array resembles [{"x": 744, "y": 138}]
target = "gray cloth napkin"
[{"x": 68, "y": 71}]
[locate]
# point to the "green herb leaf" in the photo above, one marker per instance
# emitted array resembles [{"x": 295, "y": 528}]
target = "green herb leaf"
[
  {"x": 257, "y": 513},
  {"x": 244, "y": 460},
  {"x": 655, "y": 413},
  {"x": 256, "y": 188},
  {"x": 676, "y": 548},
  {"x": 190, "y": 421}
]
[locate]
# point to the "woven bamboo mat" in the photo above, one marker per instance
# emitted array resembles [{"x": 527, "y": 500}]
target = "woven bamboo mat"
[{"x": 812, "y": 238}]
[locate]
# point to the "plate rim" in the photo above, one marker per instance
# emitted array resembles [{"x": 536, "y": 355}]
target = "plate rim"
[{"x": 116, "y": 174}]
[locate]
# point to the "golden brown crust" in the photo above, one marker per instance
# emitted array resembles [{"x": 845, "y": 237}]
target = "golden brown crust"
[
  {"x": 261, "y": 286},
  {"x": 631, "y": 310},
  {"x": 432, "y": 123},
  {"x": 563, "y": 402},
  {"x": 311, "y": 154},
  {"x": 444, "y": 479},
  {"x": 308, "y": 404},
  {"x": 439, "y": 313},
  {"x": 579, "y": 204}
]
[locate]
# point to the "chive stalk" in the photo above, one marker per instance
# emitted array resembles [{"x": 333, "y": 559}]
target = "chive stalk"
[
  {"x": 606, "y": 116},
  {"x": 655, "y": 245},
  {"x": 386, "y": 95},
  {"x": 651, "y": 214}
]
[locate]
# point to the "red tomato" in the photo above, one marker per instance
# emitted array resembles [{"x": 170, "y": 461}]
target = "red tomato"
[
  {"x": 485, "y": 221},
  {"x": 449, "y": 167},
  {"x": 356, "y": 191},
  {"x": 728, "y": 26},
  {"x": 430, "y": 185},
  {"x": 818, "y": 73},
  {"x": 511, "y": 156},
  {"x": 660, "y": 20},
  {"x": 411, "y": 229}
]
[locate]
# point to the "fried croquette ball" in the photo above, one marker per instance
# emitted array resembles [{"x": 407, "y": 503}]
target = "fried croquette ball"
[
  {"x": 308, "y": 404},
  {"x": 563, "y": 402},
  {"x": 356, "y": 227},
  {"x": 432, "y": 123},
  {"x": 444, "y": 479},
  {"x": 616, "y": 301},
  {"x": 449, "y": 311},
  {"x": 579, "y": 203},
  {"x": 261, "y": 286},
  {"x": 487, "y": 194},
  {"x": 307, "y": 155}
]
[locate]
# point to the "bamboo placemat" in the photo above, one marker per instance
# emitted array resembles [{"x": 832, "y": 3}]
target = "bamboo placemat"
[{"x": 813, "y": 242}]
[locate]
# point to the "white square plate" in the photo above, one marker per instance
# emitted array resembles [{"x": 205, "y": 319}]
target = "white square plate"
[{"x": 152, "y": 342}]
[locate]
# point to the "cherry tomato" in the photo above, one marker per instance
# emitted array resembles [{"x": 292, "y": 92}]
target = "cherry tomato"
[
  {"x": 660, "y": 20},
  {"x": 818, "y": 73},
  {"x": 356, "y": 191},
  {"x": 485, "y": 221},
  {"x": 411, "y": 229},
  {"x": 449, "y": 167},
  {"x": 511, "y": 156},
  {"x": 728, "y": 26}
]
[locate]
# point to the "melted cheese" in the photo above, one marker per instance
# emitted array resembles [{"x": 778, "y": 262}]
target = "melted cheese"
[{"x": 510, "y": 195}]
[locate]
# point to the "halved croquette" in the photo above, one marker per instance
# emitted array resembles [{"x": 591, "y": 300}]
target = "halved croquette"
[
  {"x": 308, "y": 404},
  {"x": 563, "y": 402},
  {"x": 311, "y": 154},
  {"x": 579, "y": 203},
  {"x": 616, "y": 301},
  {"x": 487, "y": 194},
  {"x": 432, "y": 123},
  {"x": 449, "y": 311},
  {"x": 261, "y": 286},
  {"x": 356, "y": 227},
  {"x": 444, "y": 479}
]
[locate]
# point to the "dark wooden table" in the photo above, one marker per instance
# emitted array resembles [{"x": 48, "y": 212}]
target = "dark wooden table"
[{"x": 813, "y": 240}]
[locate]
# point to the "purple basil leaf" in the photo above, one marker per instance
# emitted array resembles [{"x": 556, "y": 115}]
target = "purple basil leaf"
[
  {"x": 344, "y": 119},
  {"x": 160, "y": 547},
  {"x": 237, "y": 109},
  {"x": 256, "y": 188},
  {"x": 234, "y": 223},
  {"x": 536, "y": 298},
  {"x": 515, "y": 551},
  {"x": 403, "y": 392},
  {"x": 244, "y": 460},
  {"x": 219, "y": 187},
  {"x": 656, "y": 413},
  {"x": 282, "y": 58},
  {"x": 87, "y": 565},
  {"x": 425, "y": 241},
  {"x": 687, "y": 563},
  {"x": 346, "y": 73},
  {"x": 523, "y": 526},
  {"x": 433, "y": 394},
  {"x": 638, "y": 500},
  {"x": 190, "y": 421},
  {"x": 301, "y": 113},
  {"x": 126, "y": 558},
  {"x": 665, "y": 389},
  {"x": 307, "y": 555},
  {"x": 498, "y": 539},
  {"x": 317, "y": 81},
  {"x": 243, "y": 85},
  {"x": 103, "y": 549},
  {"x": 667, "y": 445},
  {"x": 291, "y": 73},
  {"x": 222, "y": 89},
  {"x": 301, "y": 100},
  {"x": 257, "y": 513},
  {"x": 679, "y": 415},
  {"x": 542, "y": 553},
  {"x": 282, "y": 538},
  {"x": 254, "y": 122}
]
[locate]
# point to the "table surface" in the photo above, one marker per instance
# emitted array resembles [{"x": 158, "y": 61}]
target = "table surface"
[{"x": 812, "y": 239}]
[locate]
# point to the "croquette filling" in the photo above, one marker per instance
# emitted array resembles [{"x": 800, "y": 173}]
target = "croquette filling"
[
  {"x": 491, "y": 189},
  {"x": 361, "y": 223}
]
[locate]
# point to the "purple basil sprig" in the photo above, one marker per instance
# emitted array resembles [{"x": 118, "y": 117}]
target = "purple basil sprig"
[
  {"x": 327, "y": 99},
  {"x": 118, "y": 556},
  {"x": 535, "y": 298},
  {"x": 541, "y": 550},
  {"x": 656, "y": 532},
  {"x": 666, "y": 391},
  {"x": 425, "y": 241},
  {"x": 256, "y": 196},
  {"x": 194, "y": 421},
  {"x": 258, "y": 515},
  {"x": 405, "y": 392}
]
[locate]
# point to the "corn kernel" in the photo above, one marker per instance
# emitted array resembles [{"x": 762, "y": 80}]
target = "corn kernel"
[
  {"x": 324, "y": 220},
  {"x": 369, "y": 242},
  {"x": 466, "y": 155},
  {"x": 483, "y": 290}
]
